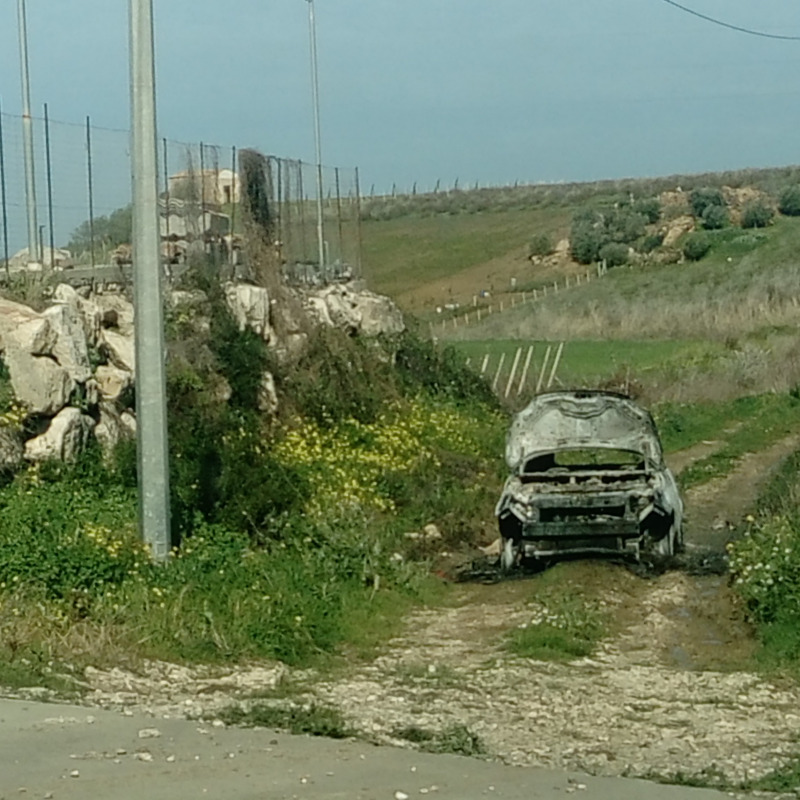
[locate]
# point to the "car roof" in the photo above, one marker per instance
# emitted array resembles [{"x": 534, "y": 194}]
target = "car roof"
[{"x": 581, "y": 418}]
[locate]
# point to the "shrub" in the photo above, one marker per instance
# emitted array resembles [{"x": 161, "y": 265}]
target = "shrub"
[
  {"x": 614, "y": 254},
  {"x": 540, "y": 245},
  {"x": 696, "y": 246},
  {"x": 701, "y": 199},
  {"x": 715, "y": 217},
  {"x": 586, "y": 239},
  {"x": 650, "y": 242},
  {"x": 623, "y": 225},
  {"x": 757, "y": 214},
  {"x": 789, "y": 201},
  {"x": 649, "y": 208}
]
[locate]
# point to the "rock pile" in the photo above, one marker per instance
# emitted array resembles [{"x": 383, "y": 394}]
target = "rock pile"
[{"x": 72, "y": 367}]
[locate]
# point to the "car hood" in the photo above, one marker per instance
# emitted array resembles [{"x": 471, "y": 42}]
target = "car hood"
[{"x": 561, "y": 420}]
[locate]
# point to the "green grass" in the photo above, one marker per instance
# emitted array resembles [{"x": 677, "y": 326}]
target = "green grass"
[
  {"x": 565, "y": 621},
  {"x": 455, "y": 739},
  {"x": 400, "y": 254},
  {"x": 313, "y": 720},
  {"x": 585, "y": 362},
  {"x": 763, "y": 420}
]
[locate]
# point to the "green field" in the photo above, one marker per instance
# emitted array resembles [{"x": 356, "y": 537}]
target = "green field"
[{"x": 586, "y": 363}]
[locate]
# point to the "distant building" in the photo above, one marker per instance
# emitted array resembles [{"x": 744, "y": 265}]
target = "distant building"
[{"x": 214, "y": 187}]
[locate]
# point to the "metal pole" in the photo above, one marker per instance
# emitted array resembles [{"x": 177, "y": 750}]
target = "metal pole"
[
  {"x": 203, "y": 194},
  {"x": 151, "y": 400},
  {"x": 312, "y": 33},
  {"x": 27, "y": 135},
  {"x": 90, "y": 183},
  {"x": 359, "y": 271},
  {"x": 339, "y": 217},
  {"x": 166, "y": 195},
  {"x": 233, "y": 205},
  {"x": 49, "y": 165},
  {"x": 3, "y": 198},
  {"x": 302, "y": 194}
]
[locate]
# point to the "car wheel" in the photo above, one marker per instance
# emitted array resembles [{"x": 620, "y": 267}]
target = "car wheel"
[
  {"x": 508, "y": 555},
  {"x": 665, "y": 546}
]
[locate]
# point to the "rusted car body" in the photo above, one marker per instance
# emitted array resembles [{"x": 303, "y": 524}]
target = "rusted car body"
[{"x": 587, "y": 477}]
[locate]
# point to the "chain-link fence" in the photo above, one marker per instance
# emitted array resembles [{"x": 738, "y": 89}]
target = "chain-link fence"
[{"x": 81, "y": 214}]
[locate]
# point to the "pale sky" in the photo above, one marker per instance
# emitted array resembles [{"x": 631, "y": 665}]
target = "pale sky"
[{"x": 494, "y": 91}]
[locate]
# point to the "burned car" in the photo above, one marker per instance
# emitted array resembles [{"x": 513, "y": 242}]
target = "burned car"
[{"x": 587, "y": 477}]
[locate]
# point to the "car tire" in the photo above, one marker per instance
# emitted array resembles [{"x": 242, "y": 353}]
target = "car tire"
[{"x": 509, "y": 554}]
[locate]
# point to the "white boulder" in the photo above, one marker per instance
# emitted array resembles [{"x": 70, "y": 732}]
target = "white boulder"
[
  {"x": 116, "y": 312},
  {"x": 250, "y": 306},
  {"x": 120, "y": 349},
  {"x": 24, "y": 329},
  {"x": 111, "y": 429},
  {"x": 65, "y": 438},
  {"x": 89, "y": 313},
  {"x": 112, "y": 381},
  {"x": 360, "y": 311},
  {"x": 267, "y": 400},
  {"x": 38, "y": 382},
  {"x": 70, "y": 349}
]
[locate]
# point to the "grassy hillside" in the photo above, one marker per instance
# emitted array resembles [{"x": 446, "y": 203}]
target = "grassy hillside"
[
  {"x": 750, "y": 282},
  {"x": 425, "y": 261}
]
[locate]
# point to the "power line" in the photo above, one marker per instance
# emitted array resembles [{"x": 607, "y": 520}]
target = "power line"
[{"x": 723, "y": 24}]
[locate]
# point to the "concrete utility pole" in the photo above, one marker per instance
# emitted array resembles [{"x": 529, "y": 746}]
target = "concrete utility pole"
[
  {"x": 151, "y": 394},
  {"x": 312, "y": 33},
  {"x": 27, "y": 135}
]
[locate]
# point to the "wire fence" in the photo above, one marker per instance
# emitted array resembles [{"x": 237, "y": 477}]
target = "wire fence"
[{"x": 81, "y": 213}]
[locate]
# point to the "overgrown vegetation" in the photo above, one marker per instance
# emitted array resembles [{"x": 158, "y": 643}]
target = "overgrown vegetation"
[
  {"x": 565, "y": 623},
  {"x": 289, "y": 526},
  {"x": 764, "y": 564}
]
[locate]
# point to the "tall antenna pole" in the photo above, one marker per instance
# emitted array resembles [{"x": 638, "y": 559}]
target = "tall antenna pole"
[
  {"x": 151, "y": 396},
  {"x": 27, "y": 136},
  {"x": 312, "y": 33}
]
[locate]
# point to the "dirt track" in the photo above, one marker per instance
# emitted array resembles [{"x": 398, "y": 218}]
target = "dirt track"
[{"x": 665, "y": 694}]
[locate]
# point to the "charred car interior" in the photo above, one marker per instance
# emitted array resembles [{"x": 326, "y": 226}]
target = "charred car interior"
[{"x": 587, "y": 478}]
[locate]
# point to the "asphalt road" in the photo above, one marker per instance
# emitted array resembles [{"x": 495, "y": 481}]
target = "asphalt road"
[{"x": 65, "y": 752}]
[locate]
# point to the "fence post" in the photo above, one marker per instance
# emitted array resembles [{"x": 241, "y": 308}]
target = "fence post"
[
  {"x": 485, "y": 364},
  {"x": 3, "y": 198},
  {"x": 499, "y": 370},
  {"x": 513, "y": 371},
  {"x": 91, "y": 194},
  {"x": 525, "y": 370},
  {"x": 49, "y": 169},
  {"x": 543, "y": 372},
  {"x": 556, "y": 362}
]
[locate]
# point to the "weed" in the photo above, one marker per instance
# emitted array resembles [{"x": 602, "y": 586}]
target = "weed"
[
  {"x": 455, "y": 739},
  {"x": 313, "y": 720}
]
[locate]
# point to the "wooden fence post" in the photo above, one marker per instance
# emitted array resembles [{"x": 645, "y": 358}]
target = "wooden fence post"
[
  {"x": 524, "y": 375},
  {"x": 556, "y": 362},
  {"x": 499, "y": 370},
  {"x": 513, "y": 371},
  {"x": 543, "y": 372}
]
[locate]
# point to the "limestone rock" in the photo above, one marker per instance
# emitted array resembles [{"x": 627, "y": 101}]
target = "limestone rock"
[
  {"x": 89, "y": 313},
  {"x": 120, "y": 349},
  {"x": 676, "y": 228},
  {"x": 112, "y": 381},
  {"x": 116, "y": 312},
  {"x": 128, "y": 420},
  {"x": 111, "y": 429},
  {"x": 70, "y": 349},
  {"x": 12, "y": 451},
  {"x": 250, "y": 306},
  {"x": 24, "y": 329},
  {"x": 179, "y": 298},
  {"x": 356, "y": 311},
  {"x": 38, "y": 382},
  {"x": 267, "y": 394},
  {"x": 64, "y": 439}
]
